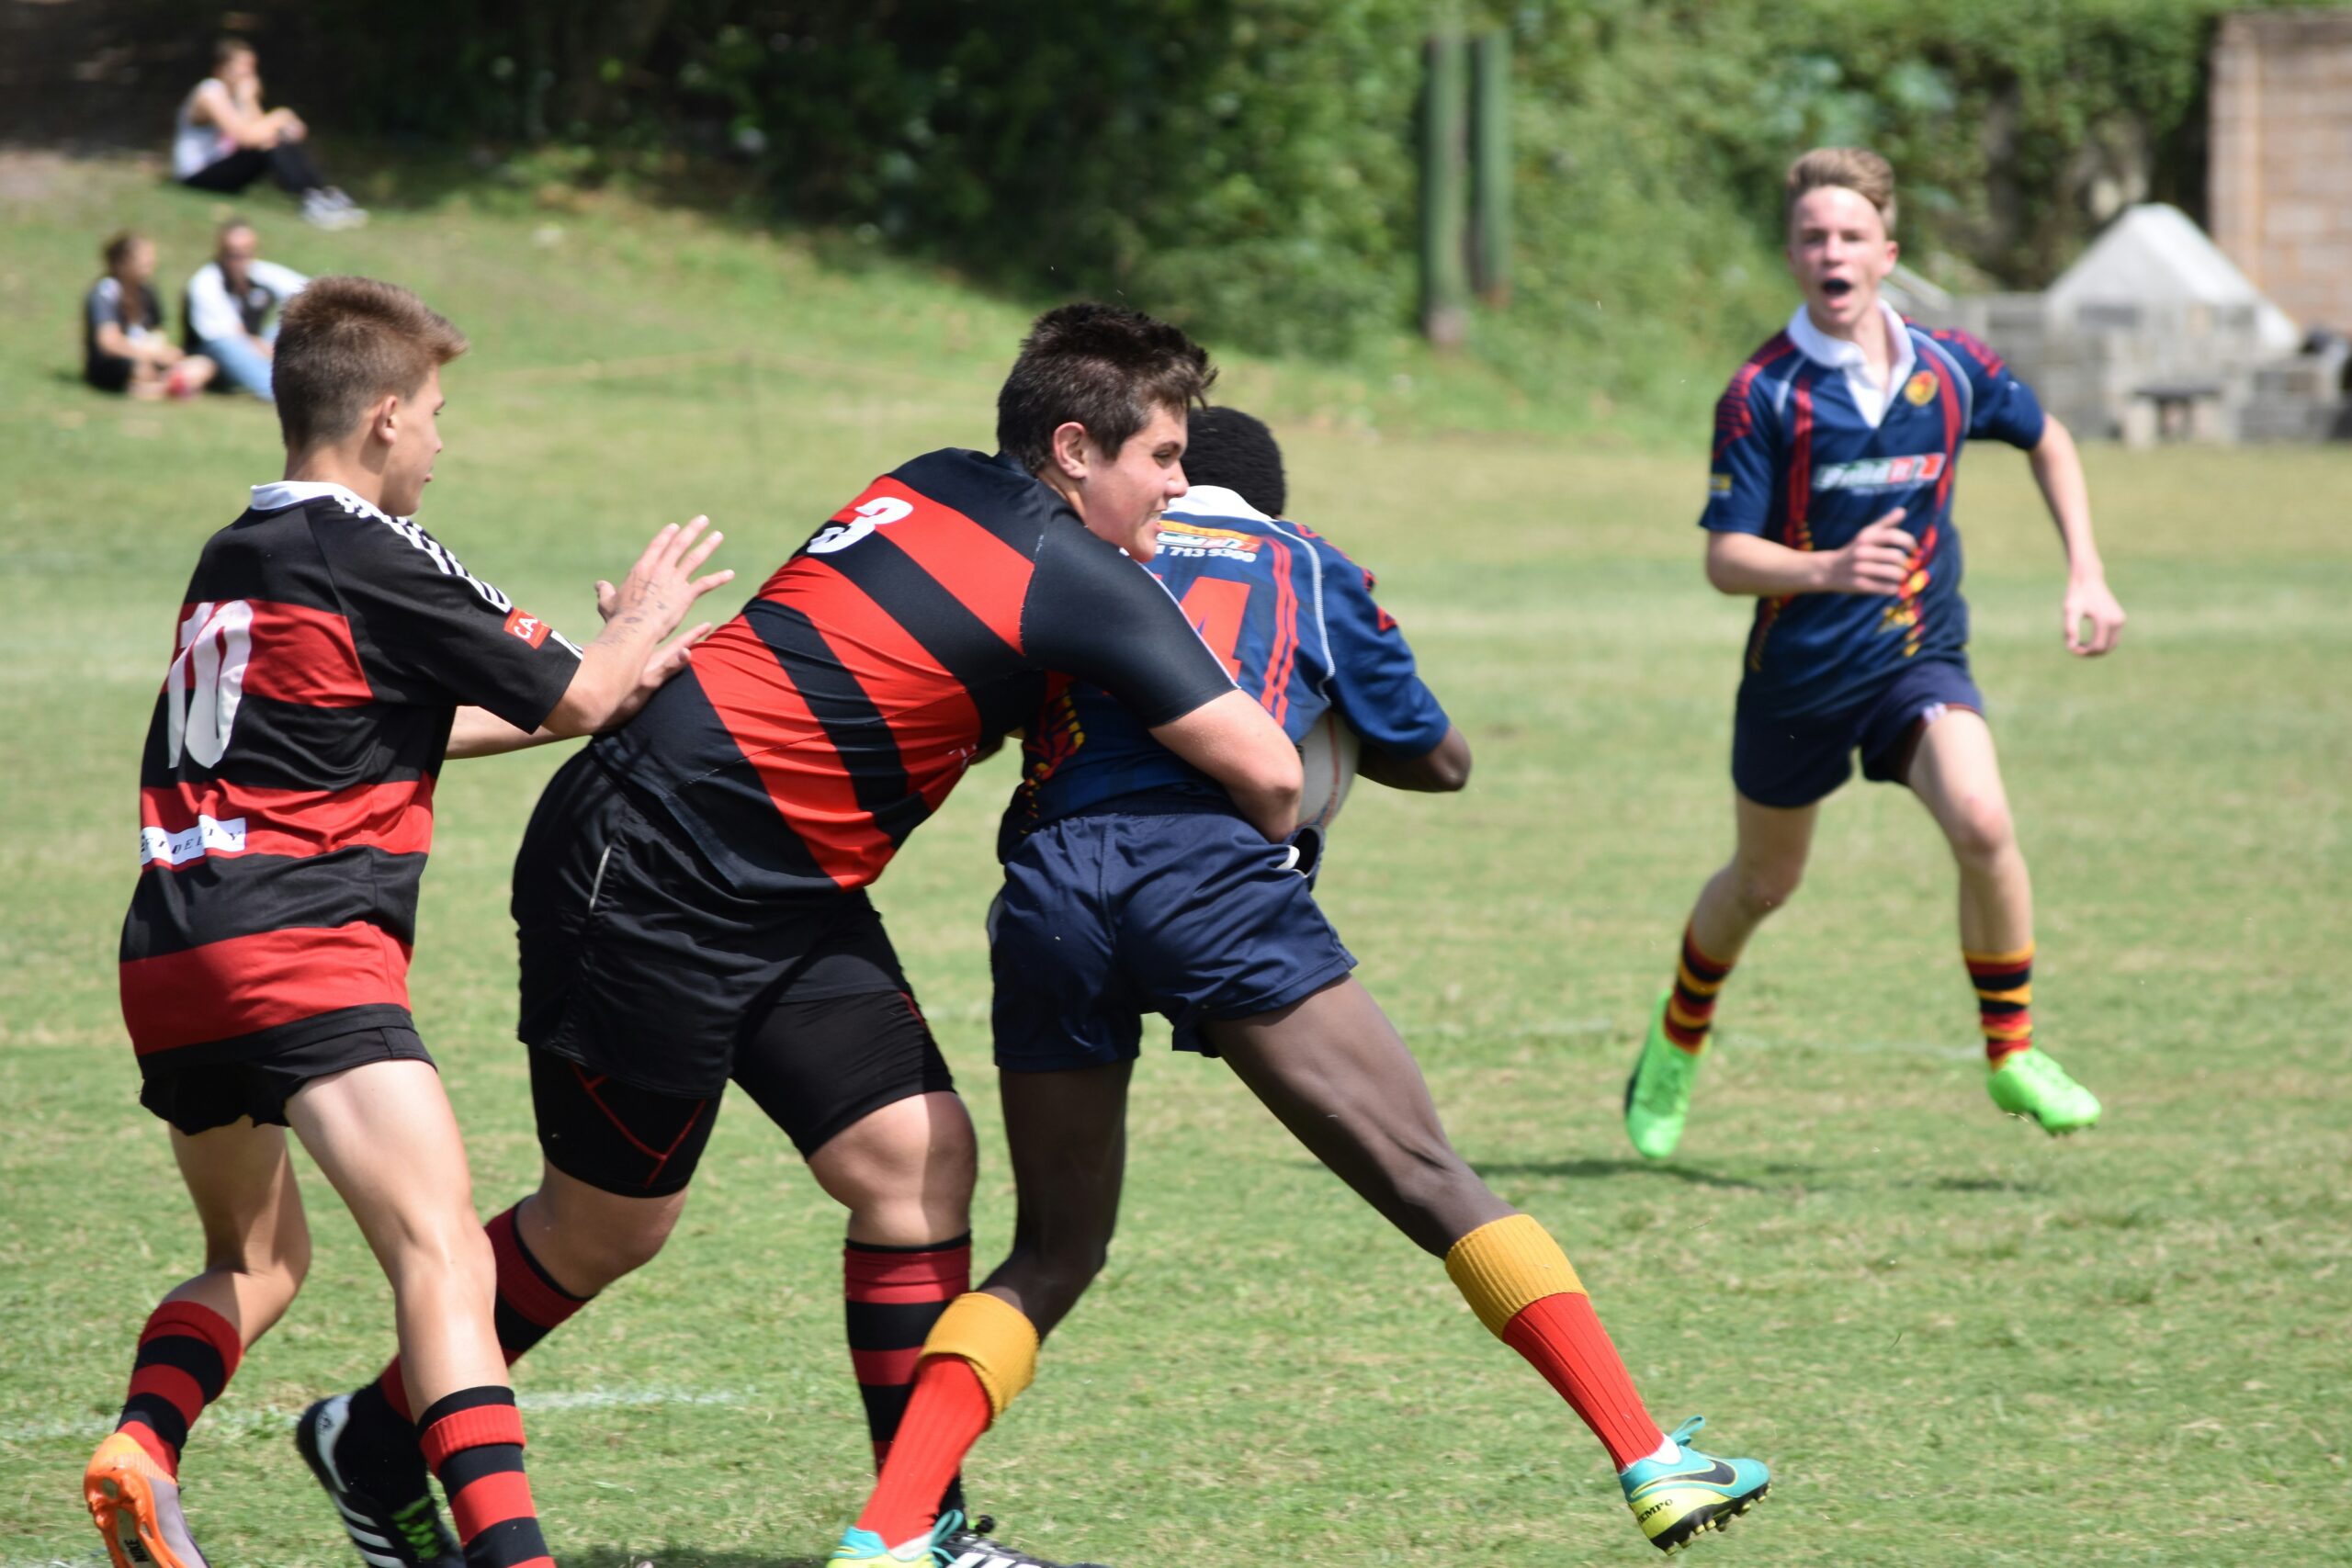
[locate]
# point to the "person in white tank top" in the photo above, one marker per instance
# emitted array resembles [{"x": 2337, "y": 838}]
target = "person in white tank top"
[{"x": 224, "y": 140}]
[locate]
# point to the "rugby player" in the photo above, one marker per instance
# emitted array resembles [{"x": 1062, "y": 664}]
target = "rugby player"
[
  {"x": 1133, "y": 884},
  {"x": 1830, "y": 501},
  {"x": 691, "y": 892},
  {"x": 330, "y": 655}
]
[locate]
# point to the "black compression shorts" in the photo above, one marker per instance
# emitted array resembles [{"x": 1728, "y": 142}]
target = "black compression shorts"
[{"x": 815, "y": 1067}]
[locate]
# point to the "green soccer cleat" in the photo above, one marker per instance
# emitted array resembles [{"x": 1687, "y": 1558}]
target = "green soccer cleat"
[
  {"x": 2033, "y": 1085},
  {"x": 1658, "y": 1094},
  {"x": 1675, "y": 1502}
]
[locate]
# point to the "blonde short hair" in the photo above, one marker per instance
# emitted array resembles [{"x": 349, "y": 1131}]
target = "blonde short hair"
[
  {"x": 343, "y": 344},
  {"x": 1857, "y": 169}
]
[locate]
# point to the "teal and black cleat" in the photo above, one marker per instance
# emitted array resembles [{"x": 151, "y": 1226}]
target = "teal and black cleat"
[{"x": 1673, "y": 1502}]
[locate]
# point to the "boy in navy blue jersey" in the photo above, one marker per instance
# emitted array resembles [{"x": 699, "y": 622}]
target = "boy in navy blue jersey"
[
  {"x": 1133, "y": 884},
  {"x": 1836, "y": 449}
]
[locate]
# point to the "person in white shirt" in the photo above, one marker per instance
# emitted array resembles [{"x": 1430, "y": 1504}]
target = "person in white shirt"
[
  {"x": 124, "y": 348},
  {"x": 231, "y": 309},
  {"x": 224, "y": 140}
]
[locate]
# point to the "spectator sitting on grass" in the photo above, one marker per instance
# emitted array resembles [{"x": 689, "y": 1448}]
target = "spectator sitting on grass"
[
  {"x": 224, "y": 140},
  {"x": 231, "y": 309},
  {"x": 124, "y": 348}
]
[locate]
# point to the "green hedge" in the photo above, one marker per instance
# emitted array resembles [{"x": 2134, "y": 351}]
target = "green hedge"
[{"x": 1248, "y": 165}]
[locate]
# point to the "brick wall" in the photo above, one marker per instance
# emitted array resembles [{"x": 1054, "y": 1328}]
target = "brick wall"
[{"x": 2280, "y": 179}]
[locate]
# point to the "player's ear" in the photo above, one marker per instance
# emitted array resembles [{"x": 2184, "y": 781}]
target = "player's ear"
[
  {"x": 384, "y": 419},
  {"x": 1073, "y": 452}
]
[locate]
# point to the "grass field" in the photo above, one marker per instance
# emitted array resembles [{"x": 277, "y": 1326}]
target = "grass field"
[{"x": 1958, "y": 1342}]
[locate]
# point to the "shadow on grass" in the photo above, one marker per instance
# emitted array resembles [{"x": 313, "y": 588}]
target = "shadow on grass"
[
  {"x": 1980, "y": 1184},
  {"x": 1591, "y": 1169}
]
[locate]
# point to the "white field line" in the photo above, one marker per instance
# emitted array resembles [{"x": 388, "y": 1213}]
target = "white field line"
[{"x": 270, "y": 1418}]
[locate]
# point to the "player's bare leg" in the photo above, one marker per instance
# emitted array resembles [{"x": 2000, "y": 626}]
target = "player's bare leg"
[
  {"x": 1767, "y": 864},
  {"x": 904, "y": 1172},
  {"x": 585, "y": 1238},
  {"x": 1335, "y": 1071},
  {"x": 1957, "y": 775},
  {"x": 256, "y": 1250},
  {"x": 384, "y": 1136}
]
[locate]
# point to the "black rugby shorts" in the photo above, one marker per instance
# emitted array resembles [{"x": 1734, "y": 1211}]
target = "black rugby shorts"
[{"x": 643, "y": 968}]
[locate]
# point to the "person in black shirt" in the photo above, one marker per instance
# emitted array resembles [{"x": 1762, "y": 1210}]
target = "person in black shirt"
[{"x": 124, "y": 347}]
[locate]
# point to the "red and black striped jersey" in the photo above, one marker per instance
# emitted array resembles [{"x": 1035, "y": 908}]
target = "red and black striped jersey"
[
  {"x": 816, "y": 729},
  {"x": 286, "y": 791}
]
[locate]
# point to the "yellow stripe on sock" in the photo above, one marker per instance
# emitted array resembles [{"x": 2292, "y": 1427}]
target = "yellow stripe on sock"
[
  {"x": 2010, "y": 960},
  {"x": 1507, "y": 1264},
  {"x": 2022, "y": 996},
  {"x": 1694, "y": 984},
  {"x": 993, "y": 1337}
]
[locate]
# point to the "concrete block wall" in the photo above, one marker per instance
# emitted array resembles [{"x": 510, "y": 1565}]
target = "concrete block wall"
[{"x": 2281, "y": 175}]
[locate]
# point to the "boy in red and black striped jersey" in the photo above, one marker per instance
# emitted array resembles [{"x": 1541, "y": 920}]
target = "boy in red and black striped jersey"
[
  {"x": 691, "y": 891},
  {"x": 330, "y": 654}
]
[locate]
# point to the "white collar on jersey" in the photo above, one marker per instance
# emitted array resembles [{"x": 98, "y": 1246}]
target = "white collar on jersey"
[
  {"x": 1837, "y": 354},
  {"x": 1215, "y": 500},
  {"x": 279, "y": 494}
]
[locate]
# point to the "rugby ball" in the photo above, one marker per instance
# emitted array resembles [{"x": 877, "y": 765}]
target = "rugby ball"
[{"x": 1327, "y": 755}]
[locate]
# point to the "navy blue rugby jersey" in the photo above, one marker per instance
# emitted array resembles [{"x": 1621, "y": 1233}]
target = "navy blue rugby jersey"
[
  {"x": 1296, "y": 624},
  {"x": 285, "y": 788},
  {"x": 1800, "y": 459}
]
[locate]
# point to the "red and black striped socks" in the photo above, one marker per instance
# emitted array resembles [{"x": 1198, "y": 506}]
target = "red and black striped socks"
[
  {"x": 892, "y": 1296},
  {"x": 530, "y": 1306},
  {"x": 473, "y": 1441},
  {"x": 188, "y": 1352},
  {"x": 2004, "y": 983},
  {"x": 1690, "y": 1009}
]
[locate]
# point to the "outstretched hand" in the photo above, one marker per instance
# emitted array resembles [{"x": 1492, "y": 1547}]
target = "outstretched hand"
[
  {"x": 1877, "y": 561},
  {"x": 653, "y": 598},
  {"x": 2090, "y": 600},
  {"x": 659, "y": 590}
]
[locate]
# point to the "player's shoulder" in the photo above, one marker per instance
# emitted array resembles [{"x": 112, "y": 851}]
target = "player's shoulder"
[
  {"x": 1775, "y": 357},
  {"x": 1970, "y": 352}
]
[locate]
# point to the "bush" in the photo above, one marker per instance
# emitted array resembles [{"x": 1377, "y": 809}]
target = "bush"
[{"x": 1248, "y": 166}]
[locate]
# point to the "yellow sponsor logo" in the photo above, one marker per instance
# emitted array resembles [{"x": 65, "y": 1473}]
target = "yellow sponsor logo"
[
  {"x": 1719, "y": 484},
  {"x": 1920, "y": 387}
]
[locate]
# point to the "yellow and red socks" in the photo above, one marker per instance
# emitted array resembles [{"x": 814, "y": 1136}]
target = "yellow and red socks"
[
  {"x": 980, "y": 1355},
  {"x": 2004, "y": 983},
  {"x": 188, "y": 1352},
  {"x": 473, "y": 1441},
  {"x": 530, "y": 1306},
  {"x": 1691, "y": 1006},
  {"x": 892, "y": 1296},
  {"x": 1524, "y": 1289}
]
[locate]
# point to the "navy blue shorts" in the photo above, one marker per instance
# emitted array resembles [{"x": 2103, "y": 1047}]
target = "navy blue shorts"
[
  {"x": 1792, "y": 763},
  {"x": 1185, "y": 913}
]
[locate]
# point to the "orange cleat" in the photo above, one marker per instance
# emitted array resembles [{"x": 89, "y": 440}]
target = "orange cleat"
[{"x": 137, "y": 1507}]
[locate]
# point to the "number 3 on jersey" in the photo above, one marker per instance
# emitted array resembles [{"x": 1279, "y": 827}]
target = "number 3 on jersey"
[
  {"x": 1216, "y": 606},
  {"x": 208, "y": 680}
]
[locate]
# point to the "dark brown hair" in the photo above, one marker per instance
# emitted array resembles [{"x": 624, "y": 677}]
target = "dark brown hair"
[
  {"x": 115, "y": 250},
  {"x": 1105, "y": 366},
  {"x": 226, "y": 48},
  {"x": 1857, "y": 169},
  {"x": 343, "y": 344}
]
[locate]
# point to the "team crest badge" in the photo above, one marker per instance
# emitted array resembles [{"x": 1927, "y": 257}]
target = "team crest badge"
[{"x": 1920, "y": 387}]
